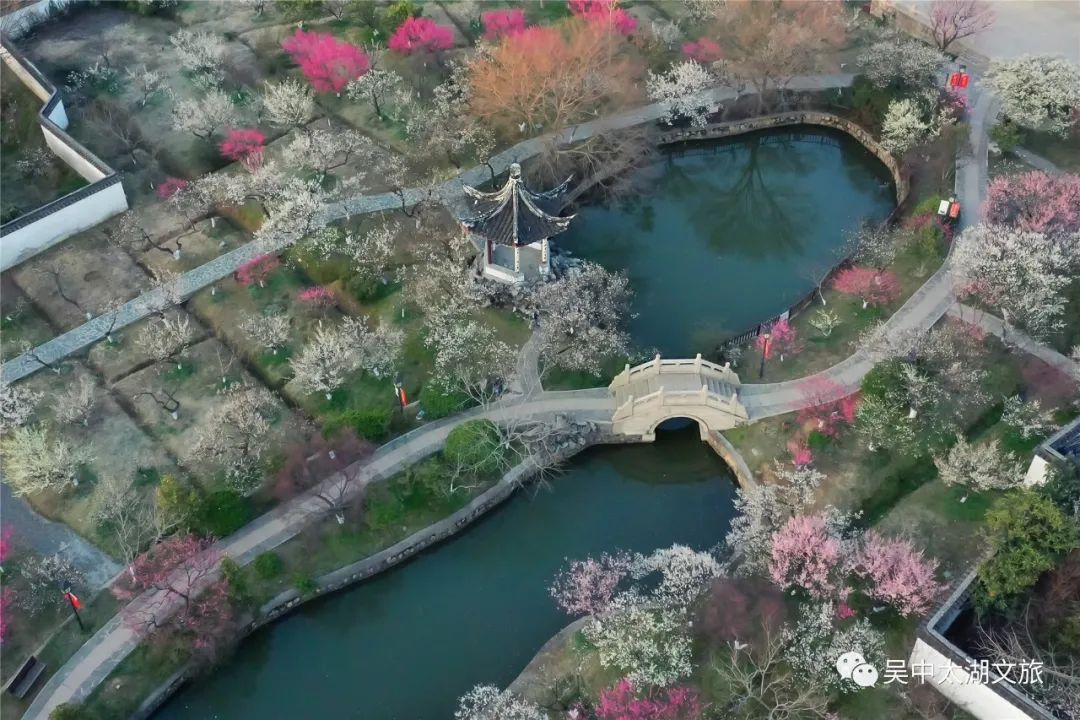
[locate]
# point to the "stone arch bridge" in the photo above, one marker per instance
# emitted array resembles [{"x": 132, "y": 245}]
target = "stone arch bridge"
[{"x": 660, "y": 390}]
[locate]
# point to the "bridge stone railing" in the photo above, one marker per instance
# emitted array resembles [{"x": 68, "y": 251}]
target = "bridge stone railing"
[{"x": 659, "y": 366}]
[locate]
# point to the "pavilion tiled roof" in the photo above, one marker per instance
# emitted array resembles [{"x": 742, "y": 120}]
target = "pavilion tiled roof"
[{"x": 515, "y": 215}]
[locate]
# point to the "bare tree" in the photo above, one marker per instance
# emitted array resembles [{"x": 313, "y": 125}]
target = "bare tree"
[
  {"x": 330, "y": 469},
  {"x": 55, "y": 270},
  {"x": 952, "y": 20},
  {"x": 763, "y": 686},
  {"x": 110, "y": 122},
  {"x": 129, "y": 235},
  {"x": 129, "y": 517}
]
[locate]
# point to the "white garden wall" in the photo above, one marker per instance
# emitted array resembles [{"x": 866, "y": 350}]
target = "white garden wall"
[{"x": 39, "y": 229}]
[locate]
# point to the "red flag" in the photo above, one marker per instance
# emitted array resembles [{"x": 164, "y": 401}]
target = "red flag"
[
  {"x": 403, "y": 397},
  {"x": 74, "y": 600}
]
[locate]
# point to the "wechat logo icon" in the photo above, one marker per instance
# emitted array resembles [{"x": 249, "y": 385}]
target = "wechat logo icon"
[{"x": 853, "y": 666}]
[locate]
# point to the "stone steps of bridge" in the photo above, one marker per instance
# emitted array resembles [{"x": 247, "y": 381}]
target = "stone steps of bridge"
[{"x": 673, "y": 382}]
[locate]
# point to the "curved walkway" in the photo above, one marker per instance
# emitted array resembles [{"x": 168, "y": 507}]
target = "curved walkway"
[
  {"x": 105, "y": 650},
  {"x": 1014, "y": 336}
]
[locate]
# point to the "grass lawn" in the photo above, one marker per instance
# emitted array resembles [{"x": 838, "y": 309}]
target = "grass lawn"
[
  {"x": 61, "y": 636},
  {"x": 911, "y": 269},
  {"x": 1062, "y": 151}
]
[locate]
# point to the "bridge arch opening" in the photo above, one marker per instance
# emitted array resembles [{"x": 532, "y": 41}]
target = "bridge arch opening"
[{"x": 678, "y": 422}]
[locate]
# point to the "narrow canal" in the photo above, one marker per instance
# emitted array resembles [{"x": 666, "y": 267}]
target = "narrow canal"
[
  {"x": 732, "y": 232},
  {"x": 405, "y": 645}
]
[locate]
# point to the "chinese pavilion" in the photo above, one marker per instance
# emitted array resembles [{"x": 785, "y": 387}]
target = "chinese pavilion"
[{"x": 512, "y": 225}]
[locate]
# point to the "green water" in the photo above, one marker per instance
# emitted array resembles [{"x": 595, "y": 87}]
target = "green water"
[
  {"x": 474, "y": 610},
  {"x": 730, "y": 232}
]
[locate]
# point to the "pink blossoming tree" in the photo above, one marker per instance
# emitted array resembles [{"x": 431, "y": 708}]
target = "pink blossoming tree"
[
  {"x": 170, "y": 187},
  {"x": 805, "y": 554},
  {"x": 328, "y": 63},
  {"x": 318, "y": 297},
  {"x": 827, "y": 405},
  {"x": 800, "y": 453},
  {"x": 173, "y": 596},
  {"x": 604, "y": 13},
  {"x": 499, "y": 24},
  {"x": 587, "y": 586},
  {"x": 625, "y": 702},
  {"x": 873, "y": 287},
  {"x": 244, "y": 145},
  {"x": 421, "y": 35},
  {"x": 1036, "y": 202},
  {"x": 257, "y": 270},
  {"x": 702, "y": 50},
  {"x": 782, "y": 339},
  {"x": 897, "y": 573}
]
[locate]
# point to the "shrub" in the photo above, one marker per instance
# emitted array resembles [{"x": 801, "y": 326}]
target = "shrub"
[
  {"x": 68, "y": 711},
  {"x": 884, "y": 381},
  {"x": 868, "y": 101},
  {"x": 268, "y": 565},
  {"x": 1028, "y": 534},
  {"x": 371, "y": 423},
  {"x": 398, "y": 13},
  {"x": 364, "y": 288},
  {"x": 474, "y": 445},
  {"x": 236, "y": 577},
  {"x": 818, "y": 441},
  {"x": 222, "y": 513},
  {"x": 304, "y": 583},
  {"x": 1007, "y": 135},
  {"x": 439, "y": 402}
]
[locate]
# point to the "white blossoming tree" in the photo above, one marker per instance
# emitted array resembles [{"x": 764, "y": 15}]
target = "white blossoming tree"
[
  {"x": 324, "y": 151},
  {"x": 289, "y": 104},
  {"x": 469, "y": 356},
  {"x": 1039, "y": 92},
  {"x": 650, "y": 645},
  {"x": 376, "y": 86},
  {"x": 201, "y": 54},
  {"x": 902, "y": 62},
  {"x": 679, "y": 90},
  {"x": 684, "y": 574},
  {"x": 75, "y": 404},
  {"x": 270, "y": 332},
  {"x": 487, "y": 702},
  {"x": 17, "y": 405},
  {"x": 369, "y": 253},
  {"x": 1027, "y": 417},
  {"x": 326, "y": 360},
  {"x": 907, "y": 123},
  {"x": 232, "y": 434},
  {"x": 979, "y": 466},
  {"x": 204, "y": 117},
  {"x": 814, "y": 642},
  {"x": 36, "y": 462},
  {"x": 581, "y": 318},
  {"x": 1023, "y": 274},
  {"x": 165, "y": 336}
]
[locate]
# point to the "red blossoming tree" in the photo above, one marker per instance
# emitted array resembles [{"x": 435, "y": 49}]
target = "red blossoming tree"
[
  {"x": 319, "y": 297},
  {"x": 421, "y": 35},
  {"x": 328, "y": 63},
  {"x": 800, "y": 452},
  {"x": 502, "y": 23},
  {"x": 805, "y": 554},
  {"x": 952, "y": 20},
  {"x": 604, "y": 13},
  {"x": 896, "y": 573},
  {"x": 332, "y": 468},
  {"x": 244, "y": 145},
  {"x": 873, "y": 287},
  {"x": 1036, "y": 202},
  {"x": 702, "y": 50},
  {"x": 625, "y": 702},
  {"x": 257, "y": 270}
]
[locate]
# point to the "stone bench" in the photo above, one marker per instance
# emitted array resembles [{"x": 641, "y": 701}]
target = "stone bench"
[{"x": 24, "y": 680}]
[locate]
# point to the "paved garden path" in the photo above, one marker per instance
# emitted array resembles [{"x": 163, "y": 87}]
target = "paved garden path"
[
  {"x": 1016, "y": 337},
  {"x": 46, "y": 537},
  {"x": 1037, "y": 161},
  {"x": 449, "y": 192}
]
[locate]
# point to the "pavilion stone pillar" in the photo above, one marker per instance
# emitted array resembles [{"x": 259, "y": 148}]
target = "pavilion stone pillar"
[
  {"x": 544, "y": 262},
  {"x": 517, "y": 259}
]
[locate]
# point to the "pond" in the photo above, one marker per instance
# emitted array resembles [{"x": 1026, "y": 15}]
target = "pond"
[
  {"x": 407, "y": 644},
  {"x": 732, "y": 232}
]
